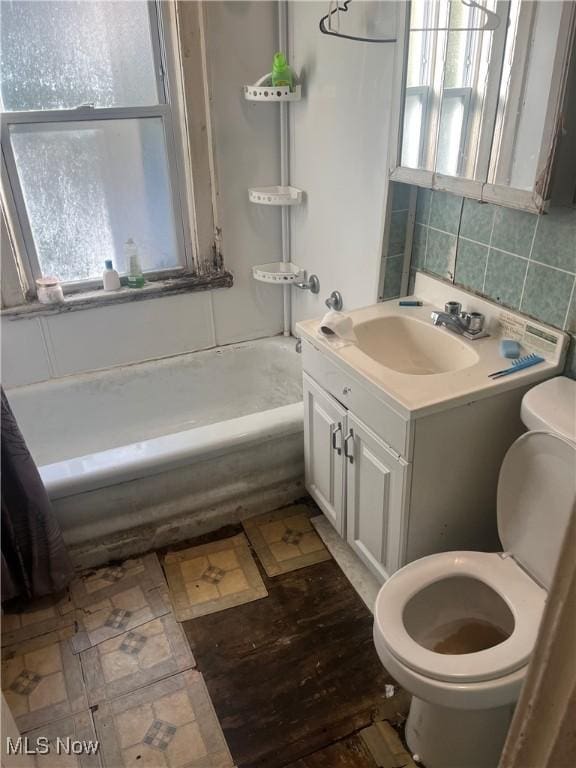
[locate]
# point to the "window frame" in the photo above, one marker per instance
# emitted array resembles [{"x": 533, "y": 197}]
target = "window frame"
[{"x": 166, "y": 84}]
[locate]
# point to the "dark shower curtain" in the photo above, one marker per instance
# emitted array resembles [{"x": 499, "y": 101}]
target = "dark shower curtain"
[{"x": 34, "y": 558}]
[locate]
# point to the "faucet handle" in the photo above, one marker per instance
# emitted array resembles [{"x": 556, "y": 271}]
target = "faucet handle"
[{"x": 453, "y": 307}]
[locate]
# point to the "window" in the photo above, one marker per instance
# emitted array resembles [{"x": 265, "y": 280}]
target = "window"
[
  {"x": 87, "y": 136},
  {"x": 448, "y": 85}
]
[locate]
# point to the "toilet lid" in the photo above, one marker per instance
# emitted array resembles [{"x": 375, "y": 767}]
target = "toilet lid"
[{"x": 536, "y": 496}]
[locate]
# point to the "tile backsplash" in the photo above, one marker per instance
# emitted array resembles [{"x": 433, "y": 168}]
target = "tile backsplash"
[{"x": 519, "y": 259}]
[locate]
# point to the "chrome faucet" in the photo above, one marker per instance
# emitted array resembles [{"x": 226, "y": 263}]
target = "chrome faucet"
[{"x": 469, "y": 324}]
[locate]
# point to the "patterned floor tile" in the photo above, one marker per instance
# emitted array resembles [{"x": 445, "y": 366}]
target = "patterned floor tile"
[
  {"x": 117, "y": 610},
  {"x": 135, "y": 659},
  {"x": 47, "y": 614},
  {"x": 285, "y": 540},
  {"x": 170, "y": 724},
  {"x": 79, "y": 728},
  {"x": 96, "y": 583},
  {"x": 212, "y": 577},
  {"x": 42, "y": 679}
]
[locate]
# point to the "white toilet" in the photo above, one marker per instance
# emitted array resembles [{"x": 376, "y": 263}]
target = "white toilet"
[{"x": 457, "y": 629}]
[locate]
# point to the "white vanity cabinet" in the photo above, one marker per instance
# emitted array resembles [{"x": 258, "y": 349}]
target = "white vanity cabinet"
[
  {"x": 395, "y": 486},
  {"x": 358, "y": 481},
  {"x": 324, "y": 430}
]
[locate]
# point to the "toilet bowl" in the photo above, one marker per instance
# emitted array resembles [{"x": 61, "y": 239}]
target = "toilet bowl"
[{"x": 457, "y": 629}]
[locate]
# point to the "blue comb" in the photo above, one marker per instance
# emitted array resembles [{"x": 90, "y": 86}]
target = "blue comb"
[{"x": 518, "y": 365}]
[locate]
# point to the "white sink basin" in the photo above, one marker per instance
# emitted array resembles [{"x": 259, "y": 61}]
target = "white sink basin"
[{"x": 411, "y": 346}]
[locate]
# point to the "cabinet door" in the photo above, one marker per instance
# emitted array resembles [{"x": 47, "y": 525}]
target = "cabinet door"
[
  {"x": 376, "y": 481},
  {"x": 324, "y": 424}
]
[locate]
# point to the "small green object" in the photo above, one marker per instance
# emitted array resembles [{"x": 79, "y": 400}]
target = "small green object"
[{"x": 282, "y": 74}]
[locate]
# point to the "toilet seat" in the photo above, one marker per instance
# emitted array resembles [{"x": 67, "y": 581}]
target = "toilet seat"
[{"x": 524, "y": 597}]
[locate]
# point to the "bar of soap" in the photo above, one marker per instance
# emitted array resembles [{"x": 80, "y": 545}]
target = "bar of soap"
[{"x": 510, "y": 348}]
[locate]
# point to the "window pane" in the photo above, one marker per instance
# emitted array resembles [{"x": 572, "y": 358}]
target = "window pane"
[
  {"x": 412, "y": 130},
  {"x": 450, "y": 134},
  {"x": 60, "y": 55},
  {"x": 89, "y": 186}
]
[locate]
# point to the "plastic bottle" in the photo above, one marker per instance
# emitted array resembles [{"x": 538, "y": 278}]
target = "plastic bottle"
[
  {"x": 135, "y": 276},
  {"x": 281, "y": 72},
  {"x": 110, "y": 277}
]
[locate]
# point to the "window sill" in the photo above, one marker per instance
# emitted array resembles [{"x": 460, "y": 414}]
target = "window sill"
[{"x": 93, "y": 299}]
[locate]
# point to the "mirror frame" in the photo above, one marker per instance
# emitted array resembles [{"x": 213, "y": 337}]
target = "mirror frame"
[{"x": 534, "y": 200}]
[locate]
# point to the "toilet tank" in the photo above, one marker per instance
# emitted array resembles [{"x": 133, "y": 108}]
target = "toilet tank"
[{"x": 551, "y": 406}]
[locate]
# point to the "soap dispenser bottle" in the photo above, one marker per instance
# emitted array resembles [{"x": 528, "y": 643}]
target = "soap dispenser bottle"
[
  {"x": 282, "y": 74},
  {"x": 110, "y": 277},
  {"x": 135, "y": 276}
]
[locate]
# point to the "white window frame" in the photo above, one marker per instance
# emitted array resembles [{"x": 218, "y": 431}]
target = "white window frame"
[
  {"x": 491, "y": 189},
  {"x": 166, "y": 77}
]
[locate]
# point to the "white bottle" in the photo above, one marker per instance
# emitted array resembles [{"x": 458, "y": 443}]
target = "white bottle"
[{"x": 110, "y": 277}]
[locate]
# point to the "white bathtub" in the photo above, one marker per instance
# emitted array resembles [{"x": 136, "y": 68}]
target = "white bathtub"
[{"x": 148, "y": 454}]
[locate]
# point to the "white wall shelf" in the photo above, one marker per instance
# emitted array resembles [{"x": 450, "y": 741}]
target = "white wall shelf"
[
  {"x": 281, "y": 272},
  {"x": 263, "y": 90},
  {"x": 275, "y": 195}
]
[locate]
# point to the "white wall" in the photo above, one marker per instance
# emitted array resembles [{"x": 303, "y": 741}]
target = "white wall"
[
  {"x": 339, "y": 155},
  {"x": 241, "y": 40}
]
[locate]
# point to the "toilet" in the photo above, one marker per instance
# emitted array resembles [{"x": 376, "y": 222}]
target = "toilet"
[{"x": 457, "y": 629}]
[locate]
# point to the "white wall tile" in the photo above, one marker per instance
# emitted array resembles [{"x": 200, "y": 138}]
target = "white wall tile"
[
  {"x": 24, "y": 355},
  {"x": 129, "y": 333}
]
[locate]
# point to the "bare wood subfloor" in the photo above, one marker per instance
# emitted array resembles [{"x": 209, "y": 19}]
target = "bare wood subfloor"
[{"x": 293, "y": 675}]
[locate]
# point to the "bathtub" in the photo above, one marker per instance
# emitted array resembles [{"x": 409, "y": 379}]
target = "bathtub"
[{"x": 146, "y": 455}]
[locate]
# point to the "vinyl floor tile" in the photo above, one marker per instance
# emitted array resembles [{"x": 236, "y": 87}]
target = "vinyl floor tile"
[
  {"x": 137, "y": 658},
  {"x": 79, "y": 728},
  {"x": 42, "y": 679},
  {"x": 97, "y": 582},
  {"x": 117, "y": 610},
  {"x": 285, "y": 540},
  {"x": 46, "y": 614},
  {"x": 212, "y": 577},
  {"x": 170, "y": 724}
]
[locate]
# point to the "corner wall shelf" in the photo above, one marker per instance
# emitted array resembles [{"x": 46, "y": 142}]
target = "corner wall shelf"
[
  {"x": 275, "y": 195},
  {"x": 263, "y": 90},
  {"x": 277, "y": 272}
]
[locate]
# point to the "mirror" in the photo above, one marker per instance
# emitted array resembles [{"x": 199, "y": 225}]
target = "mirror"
[{"x": 483, "y": 89}]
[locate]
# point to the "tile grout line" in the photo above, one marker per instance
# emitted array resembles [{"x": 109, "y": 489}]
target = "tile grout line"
[
  {"x": 489, "y": 249},
  {"x": 516, "y": 255},
  {"x": 570, "y": 300},
  {"x": 528, "y": 264},
  {"x": 427, "y": 226}
]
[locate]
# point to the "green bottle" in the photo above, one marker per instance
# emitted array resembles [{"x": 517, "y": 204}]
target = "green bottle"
[{"x": 281, "y": 72}]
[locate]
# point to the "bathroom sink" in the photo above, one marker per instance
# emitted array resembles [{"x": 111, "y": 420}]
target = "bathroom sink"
[{"x": 411, "y": 346}]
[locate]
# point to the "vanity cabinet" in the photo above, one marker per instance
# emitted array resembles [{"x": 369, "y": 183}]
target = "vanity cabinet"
[
  {"x": 358, "y": 481},
  {"x": 400, "y": 487},
  {"x": 324, "y": 430}
]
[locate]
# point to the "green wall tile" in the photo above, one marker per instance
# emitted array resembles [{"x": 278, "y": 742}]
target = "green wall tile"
[
  {"x": 397, "y": 239},
  {"x": 419, "y": 245},
  {"x": 504, "y": 278},
  {"x": 440, "y": 253},
  {"x": 445, "y": 212},
  {"x": 400, "y": 196},
  {"x": 471, "y": 264},
  {"x": 513, "y": 231},
  {"x": 423, "y": 205},
  {"x": 393, "y": 276},
  {"x": 477, "y": 220},
  {"x": 555, "y": 241},
  {"x": 547, "y": 294}
]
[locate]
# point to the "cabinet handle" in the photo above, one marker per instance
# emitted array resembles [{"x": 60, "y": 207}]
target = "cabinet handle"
[
  {"x": 334, "y": 446},
  {"x": 349, "y": 456}
]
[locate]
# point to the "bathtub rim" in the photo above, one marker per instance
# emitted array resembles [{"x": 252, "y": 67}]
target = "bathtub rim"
[{"x": 136, "y": 460}]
